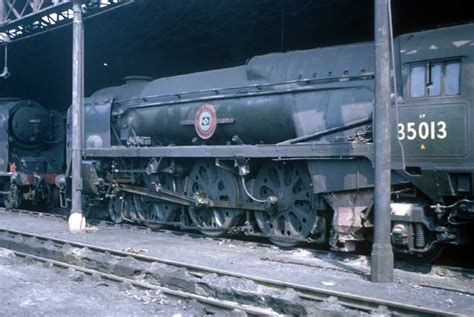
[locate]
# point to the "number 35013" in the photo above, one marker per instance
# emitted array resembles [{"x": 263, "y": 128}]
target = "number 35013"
[{"x": 422, "y": 130}]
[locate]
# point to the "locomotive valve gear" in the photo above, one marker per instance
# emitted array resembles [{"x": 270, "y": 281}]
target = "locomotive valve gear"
[
  {"x": 201, "y": 200},
  {"x": 244, "y": 186}
]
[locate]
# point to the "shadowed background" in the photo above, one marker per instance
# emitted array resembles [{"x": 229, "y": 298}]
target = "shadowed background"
[{"x": 169, "y": 37}]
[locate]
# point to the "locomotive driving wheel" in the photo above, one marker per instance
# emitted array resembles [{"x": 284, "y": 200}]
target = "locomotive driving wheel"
[
  {"x": 152, "y": 211},
  {"x": 294, "y": 216},
  {"x": 208, "y": 180}
]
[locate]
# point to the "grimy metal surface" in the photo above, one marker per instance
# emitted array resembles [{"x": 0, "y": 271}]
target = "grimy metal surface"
[
  {"x": 335, "y": 98},
  {"x": 382, "y": 255},
  {"x": 315, "y": 106},
  {"x": 293, "y": 151}
]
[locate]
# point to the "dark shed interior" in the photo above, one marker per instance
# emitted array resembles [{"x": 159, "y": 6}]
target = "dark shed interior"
[{"x": 168, "y": 37}]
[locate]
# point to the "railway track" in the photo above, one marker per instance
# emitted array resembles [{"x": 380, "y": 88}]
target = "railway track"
[
  {"x": 93, "y": 259},
  {"x": 461, "y": 269},
  {"x": 212, "y": 305}
]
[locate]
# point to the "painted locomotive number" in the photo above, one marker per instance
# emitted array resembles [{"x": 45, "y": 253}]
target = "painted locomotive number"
[{"x": 423, "y": 130}]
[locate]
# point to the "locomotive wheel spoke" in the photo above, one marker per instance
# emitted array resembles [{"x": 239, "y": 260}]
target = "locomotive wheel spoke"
[
  {"x": 218, "y": 184},
  {"x": 155, "y": 211},
  {"x": 115, "y": 209},
  {"x": 139, "y": 208},
  {"x": 295, "y": 216}
]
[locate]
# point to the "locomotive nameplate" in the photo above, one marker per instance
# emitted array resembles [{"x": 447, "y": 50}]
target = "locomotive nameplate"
[
  {"x": 205, "y": 121},
  {"x": 431, "y": 131}
]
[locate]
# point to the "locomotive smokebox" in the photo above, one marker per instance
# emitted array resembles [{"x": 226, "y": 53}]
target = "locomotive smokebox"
[{"x": 31, "y": 124}]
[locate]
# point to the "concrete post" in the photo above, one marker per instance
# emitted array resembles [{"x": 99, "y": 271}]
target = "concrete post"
[
  {"x": 77, "y": 222},
  {"x": 382, "y": 255}
]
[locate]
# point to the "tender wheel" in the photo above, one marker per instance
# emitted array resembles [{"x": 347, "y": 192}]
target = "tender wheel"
[
  {"x": 217, "y": 184},
  {"x": 294, "y": 217}
]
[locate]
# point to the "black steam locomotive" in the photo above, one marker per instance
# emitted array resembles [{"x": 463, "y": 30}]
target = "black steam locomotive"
[
  {"x": 32, "y": 141},
  {"x": 282, "y": 147}
]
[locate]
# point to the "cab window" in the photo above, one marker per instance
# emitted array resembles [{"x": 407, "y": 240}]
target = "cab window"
[
  {"x": 434, "y": 79},
  {"x": 417, "y": 81},
  {"x": 453, "y": 71}
]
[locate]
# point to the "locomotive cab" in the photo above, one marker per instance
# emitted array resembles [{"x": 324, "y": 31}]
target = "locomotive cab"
[{"x": 432, "y": 143}]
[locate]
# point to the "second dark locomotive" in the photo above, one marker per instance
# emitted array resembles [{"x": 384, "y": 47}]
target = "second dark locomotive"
[{"x": 32, "y": 152}]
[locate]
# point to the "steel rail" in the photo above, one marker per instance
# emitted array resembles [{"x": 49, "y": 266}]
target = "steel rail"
[
  {"x": 194, "y": 232},
  {"x": 348, "y": 300},
  {"x": 207, "y": 301}
]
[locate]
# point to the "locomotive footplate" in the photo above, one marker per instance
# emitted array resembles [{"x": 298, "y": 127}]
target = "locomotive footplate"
[
  {"x": 197, "y": 200},
  {"x": 306, "y": 150}
]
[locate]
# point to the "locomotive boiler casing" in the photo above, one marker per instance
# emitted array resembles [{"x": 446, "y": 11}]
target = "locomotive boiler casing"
[{"x": 235, "y": 117}]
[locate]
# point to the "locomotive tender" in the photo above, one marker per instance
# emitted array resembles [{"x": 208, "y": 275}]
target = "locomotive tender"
[{"x": 282, "y": 147}]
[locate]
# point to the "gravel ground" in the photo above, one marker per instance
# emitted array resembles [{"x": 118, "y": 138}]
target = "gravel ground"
[
  {"x": 433, "y": 289},
  {"x": 30, "y": 288}
]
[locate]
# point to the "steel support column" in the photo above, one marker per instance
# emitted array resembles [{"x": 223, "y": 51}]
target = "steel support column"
[
  {"x": 382, "y": 254},
  {"x": 76, "y": 219},
  {"x": 2, "y": 11}
]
